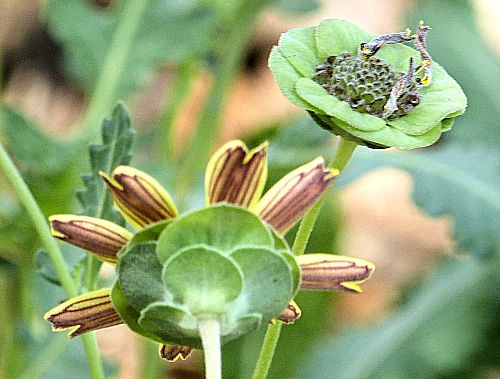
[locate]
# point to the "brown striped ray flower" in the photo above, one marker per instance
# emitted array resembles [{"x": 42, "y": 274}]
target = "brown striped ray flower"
[{"x": 234, "y": 175}]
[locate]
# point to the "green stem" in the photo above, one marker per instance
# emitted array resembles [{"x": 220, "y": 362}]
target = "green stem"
[
  {"x": 267, "y": 351},
  {"x": 176, "y": 98},
  {"x": 345, "y": 149},
  {"x": 152, "y": 367},
  {"x": 197, "y": 153},
  {"x": 42, "y": 228},
  {"x": 344, "y": 152},
  {"x": 106, "y": 90},
  {"x": 210, "y": 338}
]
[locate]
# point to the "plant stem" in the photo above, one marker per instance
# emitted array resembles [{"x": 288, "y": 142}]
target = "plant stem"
[
  {"x": 267, "y": 350},
  {"x": 176, "y": 98},
  {"x": 106, "y": 90},
  {"x": 42, "y": 228},
  {"x": 345, "y": 149},
  {"x": 210, "y": 338},
  {"x": 344, "y": 152},
  {"x": 151, "y": 366},
  {"x": 197, "y": 153}
]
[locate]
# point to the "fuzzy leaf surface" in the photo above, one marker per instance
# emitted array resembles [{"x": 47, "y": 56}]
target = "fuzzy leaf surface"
[{"x": 223, "y": 227}]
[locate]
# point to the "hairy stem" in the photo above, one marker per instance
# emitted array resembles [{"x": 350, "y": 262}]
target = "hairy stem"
[
  {"x": 42, "y": 228},
  {"x": 106, "y": 90},
  {"x": 210, "y": 337},
  {"x": 267, "y": 350},
  {"x": 342, "y": 156}
]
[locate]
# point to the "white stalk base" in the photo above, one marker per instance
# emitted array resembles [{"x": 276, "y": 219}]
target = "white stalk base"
[{"x": 210, "y": 337}]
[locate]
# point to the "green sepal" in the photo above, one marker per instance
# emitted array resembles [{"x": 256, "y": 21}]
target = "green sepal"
[
  {"x": 140, "y": 275},
  {"x": 334, "y": 37},
  {"x": 203, "y": 280},
  {"x": 149, "y": 233},
  {"x": 268, "y": 282},
  {"x": 209, "y": 226},
  {"x": 171, "y": 324},
  {"x": 127, "y": 313}
]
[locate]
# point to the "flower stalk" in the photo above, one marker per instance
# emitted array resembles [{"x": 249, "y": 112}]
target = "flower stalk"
[
  {"x": 209, "y": 328},
  {"x": 342, "y": 156}
]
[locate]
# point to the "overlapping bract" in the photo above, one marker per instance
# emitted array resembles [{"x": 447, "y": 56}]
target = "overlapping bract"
[{"x": 228, "y": 259}]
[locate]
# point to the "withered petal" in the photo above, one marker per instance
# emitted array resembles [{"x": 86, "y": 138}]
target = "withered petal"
[
  {"x": 100, "y": 237},
  {"x": 139, "y": 197},
  {"x": 290, "y": 314},
  {"x": 236, "y": 175},
  {"x": 84, "y": 313},
  {"x": 289, "y": 199},
  {"x": 172, "y": 352},
  {"x": 333, "y": 272}
]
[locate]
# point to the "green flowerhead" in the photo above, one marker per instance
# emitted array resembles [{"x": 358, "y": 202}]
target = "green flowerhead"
[{"x": 371, "y": 90}]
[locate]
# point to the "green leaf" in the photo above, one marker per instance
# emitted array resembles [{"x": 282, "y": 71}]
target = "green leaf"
[
  {"x": 478, "y": 72},
  {"x": 433, "y": 334},
  {"x": 115, "y": 150},
  {"x": 140, "y": 277},
  {"x": 37, "y": 151},
  {"x": 169, "y": 30},
  {"x": 223, "y": 227},
  {"x": 202, "y": 279},
  {"x": 48, "y": 167},
  {"x": 457, "y": 182},
  {"x": 268, "y": 282}
]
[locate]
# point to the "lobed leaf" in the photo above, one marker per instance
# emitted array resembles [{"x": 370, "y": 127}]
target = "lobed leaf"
[{"x": 115, "y": 150}]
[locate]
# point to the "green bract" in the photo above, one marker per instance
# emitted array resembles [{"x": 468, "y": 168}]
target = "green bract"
[
  {"x": 173, "y": 274},
  {"x": 300, "y": 51}
]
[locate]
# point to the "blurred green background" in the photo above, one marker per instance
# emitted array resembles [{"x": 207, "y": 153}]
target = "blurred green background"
[{"x": 194, "y": 74}]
